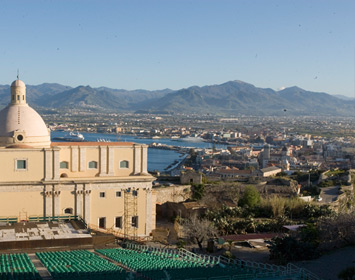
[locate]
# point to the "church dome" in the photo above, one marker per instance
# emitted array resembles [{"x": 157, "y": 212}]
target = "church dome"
[
  {"x": 18, "y": 83},
  {"x": 20, "y": 124}
]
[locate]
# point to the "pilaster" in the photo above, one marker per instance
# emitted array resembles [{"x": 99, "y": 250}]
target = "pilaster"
[
  {"x": 47, "y": 164},
  {"x": 74, "y": 159},
  {"x": 103, "y": 161},
  {"x": 82, "y": 165},
  {"x": 48, "y": 200},
  {"x": 87, "y": 204},
  {"x": 56, "y": 200},
  {"x": 148, "y": 228},
  {"x": 144, "y": 159},
  {"x": 55, "y": 164},
  {"x": 79, "y": 200},
  {"x": 110, "y": 161},
  {"x": 137, "y": 160}
]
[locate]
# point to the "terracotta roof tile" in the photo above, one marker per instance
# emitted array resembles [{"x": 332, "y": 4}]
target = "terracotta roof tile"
[{"x": 127, "y": 144}]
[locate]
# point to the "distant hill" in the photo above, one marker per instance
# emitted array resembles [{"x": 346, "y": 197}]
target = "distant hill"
[
  {"x": 344, "y": 97},
  {"x": 237, "y": 97},
  {"x": 234, "y": 97}
]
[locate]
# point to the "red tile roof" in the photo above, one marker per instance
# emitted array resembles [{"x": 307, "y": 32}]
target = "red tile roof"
[{"x": 56, "y": 144}]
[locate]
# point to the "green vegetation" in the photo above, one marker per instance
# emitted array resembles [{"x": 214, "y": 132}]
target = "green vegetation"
[
  {"x": 313, "y": 176},
  {"x": 296, "y": 247},
  {"x": 309, "y": 242},
  {"x": 269, "y": 215},
  {"x": 337, "y": 172},
  {"x": 250, "y": 198},
  {"x": 197, "y": 191}
]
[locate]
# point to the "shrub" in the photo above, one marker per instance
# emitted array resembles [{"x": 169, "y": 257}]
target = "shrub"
[
  {"x": 198, "y": 191},
  {"x": 277, "y": 206},
  {"x": 250, "y": 197},
  {"x": 294, "y": 207},
  {"x": 337, "y": 231},
  {"x": 289, "y": 248},
  {"x": 315, "y": 211}
]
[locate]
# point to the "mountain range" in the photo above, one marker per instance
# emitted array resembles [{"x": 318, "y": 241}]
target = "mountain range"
[{"x": 230, "y": 98}]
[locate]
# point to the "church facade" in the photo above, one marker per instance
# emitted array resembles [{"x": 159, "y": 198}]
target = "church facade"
[{"x": 104, "y": 183}]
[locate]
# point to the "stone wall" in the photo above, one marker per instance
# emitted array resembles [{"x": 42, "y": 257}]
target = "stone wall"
[{"x": 172, "y": 194}]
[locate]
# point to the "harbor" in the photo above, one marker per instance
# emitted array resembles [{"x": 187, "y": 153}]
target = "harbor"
[{"x": 165, "y": 155}]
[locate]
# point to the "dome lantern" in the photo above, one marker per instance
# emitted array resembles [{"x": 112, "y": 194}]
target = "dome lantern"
[{"x": 18, "y": 93}]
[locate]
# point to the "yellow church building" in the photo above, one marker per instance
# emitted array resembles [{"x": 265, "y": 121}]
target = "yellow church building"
[{"x": 104, "y": 183}]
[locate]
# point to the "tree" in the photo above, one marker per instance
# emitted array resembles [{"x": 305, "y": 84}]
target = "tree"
[
  {"x": 250, "y": 197},
  {"x": 337, "y": 231},
  {"x": 198, "y": 229},
  {"x": 290, "y": 248},
  {"x": 198, "y": 191}
]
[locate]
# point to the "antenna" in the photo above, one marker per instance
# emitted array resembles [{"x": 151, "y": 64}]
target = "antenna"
[{"x": 18, "y": 74}]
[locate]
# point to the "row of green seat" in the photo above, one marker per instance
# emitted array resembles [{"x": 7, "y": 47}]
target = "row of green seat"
[
  {"x": 158, "y": 264},
  {"x": 145, "y": 261},
  {"x": 17, "y": 266},
  {"x": 80, "y": 264}
]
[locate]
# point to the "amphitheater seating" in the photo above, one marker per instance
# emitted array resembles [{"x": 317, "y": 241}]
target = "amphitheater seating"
[
  {"x": 144, "y": 262},
  {"x": 79, "y": 264},
  {"x": 158, "y": 264},
  {"x": 17, "y": 266}
]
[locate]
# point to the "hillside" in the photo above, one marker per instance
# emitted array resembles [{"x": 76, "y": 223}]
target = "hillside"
[
  {"x": 230, "y": 98},
  {"x": 237, "y": 97}
]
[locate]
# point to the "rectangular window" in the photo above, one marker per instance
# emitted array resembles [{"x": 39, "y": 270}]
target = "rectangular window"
[
  {"x": 124, "y": 164},
  {"x": 63, "y": 165},
  {"x": 102, "y": 222},
  {"x": 102, "y": 194},
  {"x": 21, "y": 164},
  {"x": 135, "y": 193},
  {"x": 135, "y": 221},
  {"x": 118, "y": 194},
  {"x": 118, "y": 222},
  {"x": 92, "y": 164}
]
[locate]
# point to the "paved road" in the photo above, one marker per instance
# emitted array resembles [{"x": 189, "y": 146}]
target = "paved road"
[
  {"x": 329, "y": 194},
  {"x": 330, "y": 265}
]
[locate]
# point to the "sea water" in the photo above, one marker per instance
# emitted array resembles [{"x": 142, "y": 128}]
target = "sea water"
[{"x": 158, "y": 159}]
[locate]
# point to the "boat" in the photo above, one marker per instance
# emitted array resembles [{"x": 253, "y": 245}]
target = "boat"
[
  {"x": 71, "y": 137},
  {"x": 191, "y": 139}
]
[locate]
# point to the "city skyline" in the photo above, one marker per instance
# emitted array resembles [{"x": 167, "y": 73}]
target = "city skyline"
[{"x": 178, "y": 44}]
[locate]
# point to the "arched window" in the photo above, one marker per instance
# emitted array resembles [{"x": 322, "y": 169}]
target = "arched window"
[
  {"x": 124, "y": 164},
  {"x": 68, "y": 211},
  {"x": 64, "y": 165},
  {"x": 92, "y": 164}
]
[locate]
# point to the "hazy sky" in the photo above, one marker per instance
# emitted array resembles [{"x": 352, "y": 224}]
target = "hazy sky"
[{"x": 179, "y": 43}]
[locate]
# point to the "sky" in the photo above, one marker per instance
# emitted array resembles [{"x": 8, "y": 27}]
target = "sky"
[{"x": 157, "y": 44}]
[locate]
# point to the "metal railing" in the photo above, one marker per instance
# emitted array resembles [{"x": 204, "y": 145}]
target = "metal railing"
[
  {"x": 52, "y": 218},
  {"x": 11, "y": 219},
  {"x": 302, "y": 272}
]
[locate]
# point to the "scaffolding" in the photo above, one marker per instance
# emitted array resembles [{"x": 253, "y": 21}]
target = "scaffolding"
[{"x": 130, "y": 218}]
